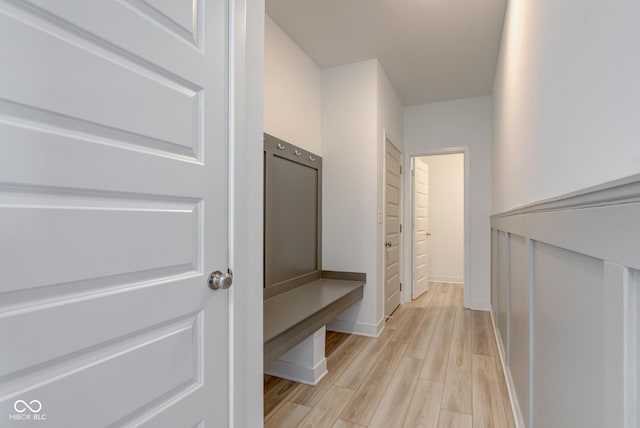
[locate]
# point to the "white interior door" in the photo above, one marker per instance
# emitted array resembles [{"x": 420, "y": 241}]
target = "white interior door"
[
  {"x": 113, "y": 178},
  {"x": 392, "y": 229},
  {"x": 420, "y": 204}
]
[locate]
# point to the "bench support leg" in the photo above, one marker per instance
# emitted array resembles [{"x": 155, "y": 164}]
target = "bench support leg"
[{"x": 305, "y": 363}]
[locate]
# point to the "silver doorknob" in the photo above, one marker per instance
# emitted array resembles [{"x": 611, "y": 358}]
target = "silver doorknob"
[
  {"x": 387, "y": 244},
  {"x": 218, "y": 280}
]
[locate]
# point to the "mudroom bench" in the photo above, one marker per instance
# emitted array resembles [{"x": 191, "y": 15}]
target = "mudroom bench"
[{"x": 291, "y": 317}]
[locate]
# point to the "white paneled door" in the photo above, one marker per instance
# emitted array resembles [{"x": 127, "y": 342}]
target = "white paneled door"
[
  {"x": 392, "y": 234},
  {"x": 113, "y": 212},
  {"x": 421, "y": 234}
]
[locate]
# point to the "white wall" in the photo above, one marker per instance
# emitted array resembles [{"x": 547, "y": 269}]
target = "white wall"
[
  {"x": 343, "y": 114},
  {"x": 292, "y": 91},
  {"x": 349, "y": 235},
  {"x": 390, "y": 126},
  {"x": 566, "y": 117},
  {"x": 566, "y": 98},
  {"x": 433, "y": 128},
  {"x": 359, "y": 108},
  {"x": 390, "y": 111},
  {"x": 446, "y": 217}
]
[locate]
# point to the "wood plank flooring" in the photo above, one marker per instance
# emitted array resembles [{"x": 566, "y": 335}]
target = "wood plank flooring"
[{"x": 436, "y": 365}]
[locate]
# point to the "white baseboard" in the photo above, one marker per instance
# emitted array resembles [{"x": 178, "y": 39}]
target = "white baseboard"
[
  {"x": 452, "y": 279},
  {"x": 298, "y": 373},
  {"x": 515, "y": 405},
  {"x": 354, "y": 327}
]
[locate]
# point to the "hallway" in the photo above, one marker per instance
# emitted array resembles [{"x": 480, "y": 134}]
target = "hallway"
[{"x": 435, "y": 364}]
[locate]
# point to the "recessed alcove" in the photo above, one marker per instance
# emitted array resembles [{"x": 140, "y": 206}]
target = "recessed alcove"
[{"x": 300, "y": 298}]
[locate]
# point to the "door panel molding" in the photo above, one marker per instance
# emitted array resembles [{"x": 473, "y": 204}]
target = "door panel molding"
[
  {"x": 420, "y": 227},
  {"x": 114, "y": 195},
  {"x": 392, "y": 236}
]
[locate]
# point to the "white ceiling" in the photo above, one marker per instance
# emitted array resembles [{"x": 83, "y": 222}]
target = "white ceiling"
[{"x": 432, "y": 50}]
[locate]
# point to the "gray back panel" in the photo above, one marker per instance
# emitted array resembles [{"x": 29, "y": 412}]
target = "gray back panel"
[{"x": 292, "y": 216}]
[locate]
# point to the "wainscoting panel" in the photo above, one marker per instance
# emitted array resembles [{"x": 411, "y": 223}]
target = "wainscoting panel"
[
  {"x": 632, "y": 350},
  {"x": 495, "y": 303},
  {"x": 568, "y": 322},
  {"x": 519, "y": 319},
  {"x": 503, "y": 291},
  {"x": 566, "y": 306}
]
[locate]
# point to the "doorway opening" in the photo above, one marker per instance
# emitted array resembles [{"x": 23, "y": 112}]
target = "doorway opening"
[{"x": 438, "y": 221}]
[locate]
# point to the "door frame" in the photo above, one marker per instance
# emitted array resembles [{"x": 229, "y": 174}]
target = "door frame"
[
  {"x": 407, "y": 265},
  {"x": 245, "y": 127},
  {"x": 382, "y": 220}
]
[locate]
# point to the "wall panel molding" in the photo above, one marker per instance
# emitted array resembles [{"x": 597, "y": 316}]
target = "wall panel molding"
[
  {"x": 566, "y": 304},
  {"x": 618, "y": 192},
  {"x": 631, "y": 374}
]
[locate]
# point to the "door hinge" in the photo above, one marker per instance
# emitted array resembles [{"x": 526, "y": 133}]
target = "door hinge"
[
  {"x": 400, "y": 286},
  {"x": 400, "y": 228},
  {"x": 400, "y": 169}
]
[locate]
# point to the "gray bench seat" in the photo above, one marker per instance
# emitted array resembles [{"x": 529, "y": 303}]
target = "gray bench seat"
[{"x": 292, "y": 316}]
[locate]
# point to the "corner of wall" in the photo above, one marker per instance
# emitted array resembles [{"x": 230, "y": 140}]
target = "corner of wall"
[
  {"x": 349, "y": 129},
  {"x": 390, "y": 126}
]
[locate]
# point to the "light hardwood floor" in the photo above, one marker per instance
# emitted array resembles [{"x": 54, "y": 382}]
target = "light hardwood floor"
[{"x": 435, "y": 364}]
